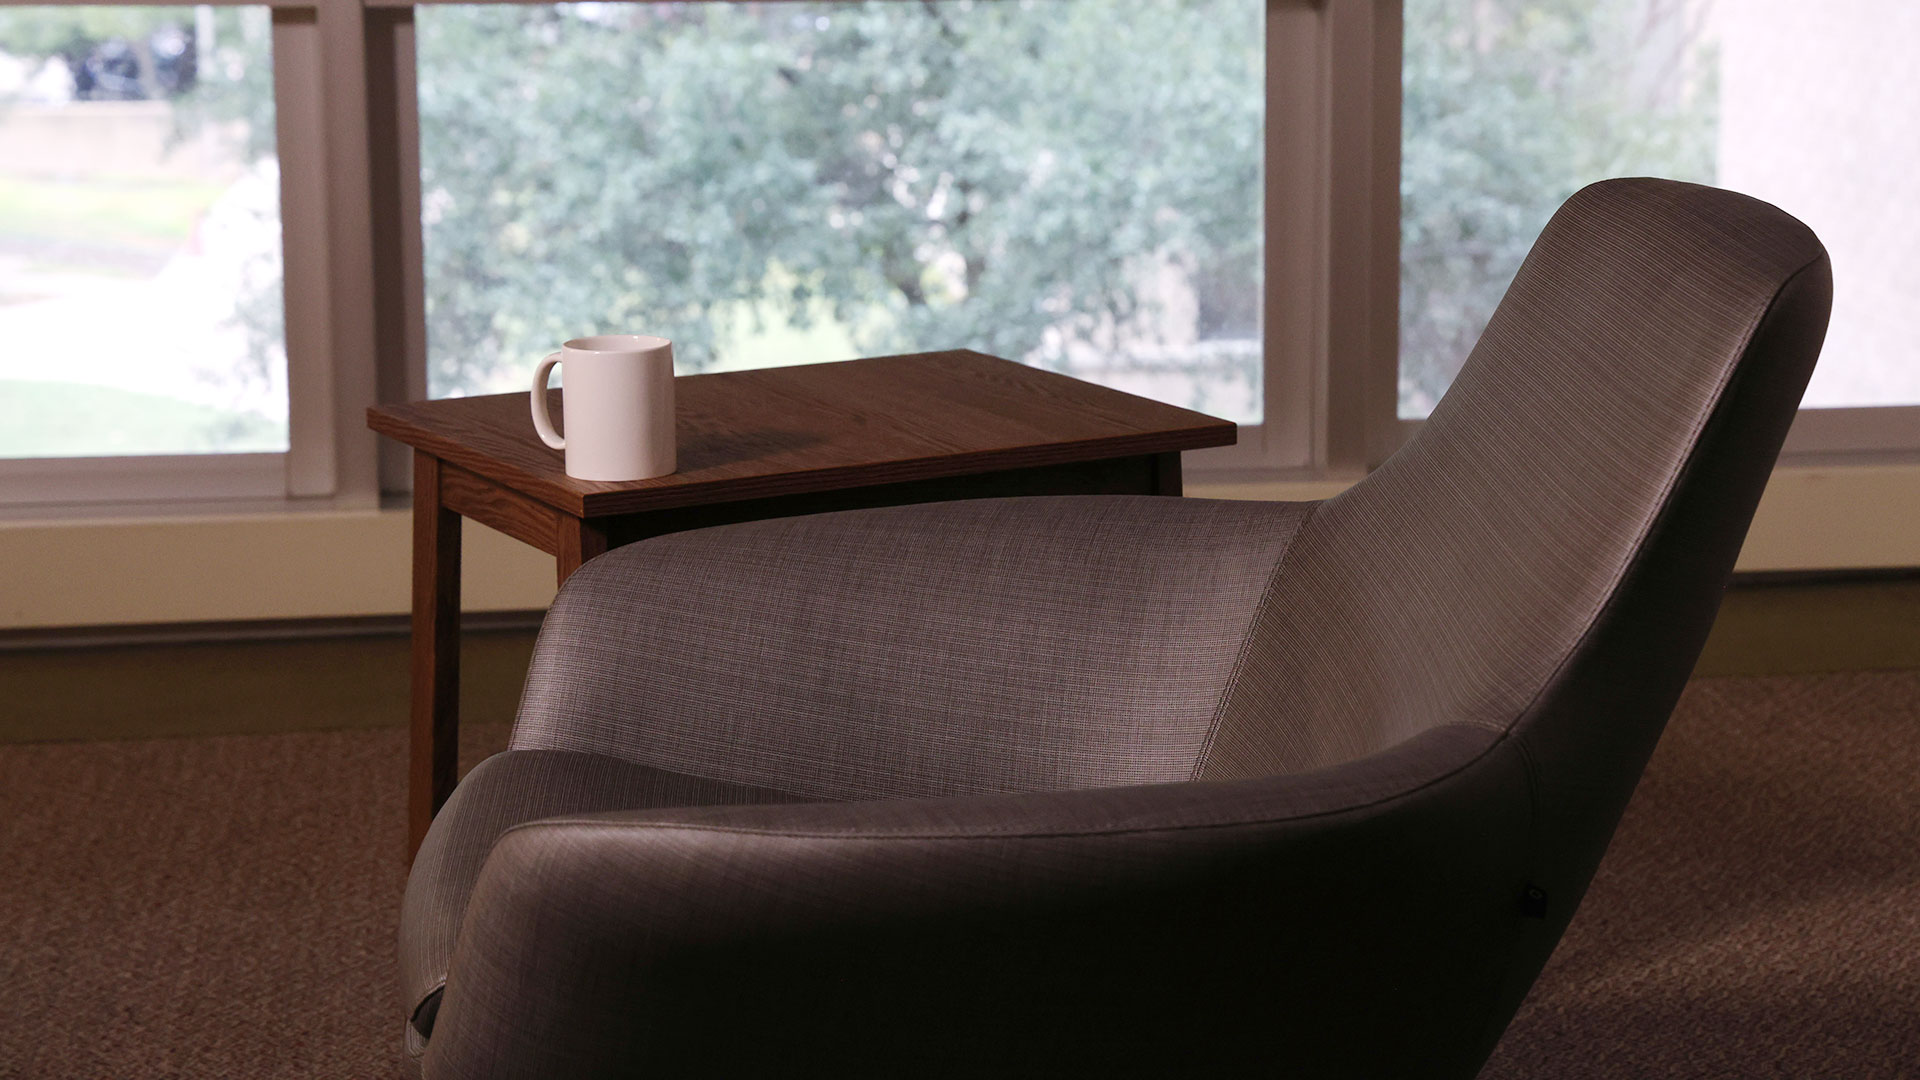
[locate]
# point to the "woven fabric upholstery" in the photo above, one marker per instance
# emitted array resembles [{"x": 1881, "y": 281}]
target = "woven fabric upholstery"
[
  {"x": 503, "y": 791},
  {"x": 1453, "y": 583},
  {"x": 1339, "y": 772},
  {"x": 949, "y": 649},
  {"x": 1154, "y": 931}
]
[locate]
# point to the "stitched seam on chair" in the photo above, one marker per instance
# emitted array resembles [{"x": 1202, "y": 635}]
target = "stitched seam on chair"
[
  {"x": 1662, "y": 504},
  {"x": 1109, "y": 829},
  {"x": 1246, "y": 640}
]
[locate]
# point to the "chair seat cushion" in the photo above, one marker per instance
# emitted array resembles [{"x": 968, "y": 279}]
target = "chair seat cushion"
[{"x": 507, "y": 790}]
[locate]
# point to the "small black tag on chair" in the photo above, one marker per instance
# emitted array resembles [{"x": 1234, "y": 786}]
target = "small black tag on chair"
[{"x": 1533, "y": 902}]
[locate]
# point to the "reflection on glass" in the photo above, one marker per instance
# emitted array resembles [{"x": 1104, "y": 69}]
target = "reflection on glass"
[
  {"x": 1512, "y": 105},
  {"x": 1072, "y": 184},
  {"x": 140, "y": 302}
]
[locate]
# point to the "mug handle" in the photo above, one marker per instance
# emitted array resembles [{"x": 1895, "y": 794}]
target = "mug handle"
[{"x": 542, "y": 422}]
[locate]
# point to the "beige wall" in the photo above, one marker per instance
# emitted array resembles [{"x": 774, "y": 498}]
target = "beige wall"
[{"x": 326, "y": 564}]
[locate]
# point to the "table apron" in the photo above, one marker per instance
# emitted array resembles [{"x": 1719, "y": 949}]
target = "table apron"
[
  {"x": 1149, "y": 474},
  {"x": 471, "y": 495},
  {"x": 534, "y": 523}
]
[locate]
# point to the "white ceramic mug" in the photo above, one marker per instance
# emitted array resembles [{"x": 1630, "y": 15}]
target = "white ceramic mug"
[{"x": 619, "y": 406}]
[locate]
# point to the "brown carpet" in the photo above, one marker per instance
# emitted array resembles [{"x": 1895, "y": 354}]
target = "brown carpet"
[
  {"x": 225, "y": 907},
  {"x": 1758, "y": 914},
  {"x": 205, "y": 908}
]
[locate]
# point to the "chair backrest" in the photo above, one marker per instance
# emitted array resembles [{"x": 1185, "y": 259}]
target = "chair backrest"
[
  {"x": 1518, "y": 596},
  {"x": 1600, "y": 454}
]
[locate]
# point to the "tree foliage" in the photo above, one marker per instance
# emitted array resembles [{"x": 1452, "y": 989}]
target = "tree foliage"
[
  {"x": 932, "y": 174},
  {"x": 995, "y": 174},
  {"x": 233, "y": 83},
  {"x": 71, "y": 31},
  {"x": 1509, "y": 107}
]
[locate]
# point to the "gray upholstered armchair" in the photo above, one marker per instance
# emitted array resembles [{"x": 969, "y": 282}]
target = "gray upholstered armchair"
[{"x": 1132, "y": 785}]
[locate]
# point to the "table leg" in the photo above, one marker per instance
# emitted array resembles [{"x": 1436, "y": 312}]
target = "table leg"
[
  {"x": 579, "y": 541},
  {"x": 434, "y": 750},
  {"x": 1166, "y": 474}
]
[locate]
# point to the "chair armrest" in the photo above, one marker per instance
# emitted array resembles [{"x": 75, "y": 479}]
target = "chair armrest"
[
  {"x": 940, "y": 649},
  {"x": 1102, "y": 929}
]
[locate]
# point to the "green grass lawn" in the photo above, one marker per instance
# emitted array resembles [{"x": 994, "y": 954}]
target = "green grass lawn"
[
  {"x": 47, "y": 419},
  {"x": 145, "y": 216}
]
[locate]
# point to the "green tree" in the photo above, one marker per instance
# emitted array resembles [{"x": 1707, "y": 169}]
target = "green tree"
[
  {"x": 935, "y": 174},
  {"x": 1509, "y": 107},
  {"x": 233, "y": 82}
]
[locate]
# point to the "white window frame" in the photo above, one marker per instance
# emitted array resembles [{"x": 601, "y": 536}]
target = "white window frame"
[{"x": 348, "y": 129}]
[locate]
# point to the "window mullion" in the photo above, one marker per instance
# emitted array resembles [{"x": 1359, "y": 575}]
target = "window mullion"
[
  {"x": 321, "y": 83},
  {"x": 393, "y": 111},
  {"x": 297, "y": 94},
  {"x": 1361, "y": 231}
]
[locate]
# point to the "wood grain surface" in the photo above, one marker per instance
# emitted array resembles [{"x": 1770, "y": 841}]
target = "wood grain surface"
[
  {"x": 474, "y": 496},
  {"x": 818, "y": 427},
  {"x": 435, "y": 707}
]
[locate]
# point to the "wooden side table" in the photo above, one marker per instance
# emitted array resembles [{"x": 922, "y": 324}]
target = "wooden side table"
[{"x": 755, "y": 444}]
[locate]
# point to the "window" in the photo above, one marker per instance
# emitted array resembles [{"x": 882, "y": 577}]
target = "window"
[
  {"x": 1511, "y": 105},
  {"x": 1073, "y": 184},
  {"x": 1199, "y": 200},
  {"x": 140, "y": 283}
]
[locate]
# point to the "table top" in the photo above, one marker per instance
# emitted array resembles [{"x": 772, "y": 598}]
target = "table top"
[{"x": 818, "y": 427}]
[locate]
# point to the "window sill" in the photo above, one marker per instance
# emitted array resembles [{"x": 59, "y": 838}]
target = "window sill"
[
  {"x": 1815, "y": 516},
  {"x": 107, "y": 565}
]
